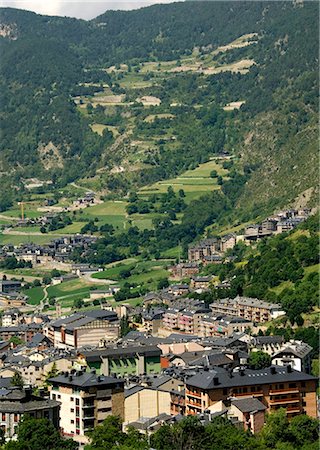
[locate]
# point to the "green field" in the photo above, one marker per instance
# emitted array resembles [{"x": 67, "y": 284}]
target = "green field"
[
  {"x": 35, "y": 295},
  {"x": 144, "y": 272},
  {"x": 195, "y": 183},
  {"x": 16, "y": 239}
]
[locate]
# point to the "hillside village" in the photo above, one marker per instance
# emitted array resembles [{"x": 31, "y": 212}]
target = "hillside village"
[
  {"x": 171, "y": 356},
  {"x": 159, "y": 228}
]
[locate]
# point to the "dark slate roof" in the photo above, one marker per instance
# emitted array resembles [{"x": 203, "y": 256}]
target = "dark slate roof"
[
  {"x": 85, "y": 380},
  {"x": 212, "y": 359},
  {"x": 131, "y": 350},
  {"x": 267, "y": 340},
  {"x": 133, "y": 390},
  {"x": 247, "y": 405},
  {"x": 220, "y": 378}
]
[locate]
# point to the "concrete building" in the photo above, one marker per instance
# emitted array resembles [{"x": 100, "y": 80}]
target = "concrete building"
[
  {"x": 16, "y": 402},
  {"x": 84, "y": 328},
  {"x": 276, "y": 387},
  {"x": 86, "y": 400},
  {"x": 143, "y": 401},
  {"x": 251, "y": 309},
  {"x": 123, "y": 361}
]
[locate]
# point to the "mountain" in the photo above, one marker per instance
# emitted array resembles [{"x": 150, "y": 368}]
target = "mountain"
[{"x": 50, "y": 64}]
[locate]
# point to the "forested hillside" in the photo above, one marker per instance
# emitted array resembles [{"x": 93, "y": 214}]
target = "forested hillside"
[{"x": 56, "y": 79}]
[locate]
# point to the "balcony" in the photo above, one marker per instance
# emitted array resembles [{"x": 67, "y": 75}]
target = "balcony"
[
  {"x": 193, "y": 394},
  {"x": 284, "y": 391},
  {"x": 249, "y": 394},
  {"x": 89, "y": 416},
  {"x": 284, "y": 401}
]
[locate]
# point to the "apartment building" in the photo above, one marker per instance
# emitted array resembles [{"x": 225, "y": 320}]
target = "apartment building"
[
  {"x": 210, "y": 325},
  {"x": 251, "y": 309},
  {"x": 86, "y": 399},
  {"x": 276, "y": 387},
  {"x": 16, "y": 402},
  {"x": 85, "y": 328}
]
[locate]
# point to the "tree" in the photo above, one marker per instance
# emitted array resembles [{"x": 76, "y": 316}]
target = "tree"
[
  {"x": 275, "y": 429},
  {"x": 259, "y": 360},
  {"x": 15, "y": 340},
  {"x": 53, "y": 372},
  {"x": 78, "y": 303},
  {"x": 17, "y": 380},
  {"x": 39, "y": 434},
  {"x": 213, "y": 174},
  {"x": 124, "y": 326},
  {"x": 162, "y": 283},
  {"x": 303, "y": 430}
]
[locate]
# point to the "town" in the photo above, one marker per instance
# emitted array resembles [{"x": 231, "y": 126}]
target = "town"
[{"x": 173, "y": 355}]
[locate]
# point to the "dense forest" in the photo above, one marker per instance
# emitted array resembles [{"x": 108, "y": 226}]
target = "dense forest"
[{"x": 47, "y": 61}]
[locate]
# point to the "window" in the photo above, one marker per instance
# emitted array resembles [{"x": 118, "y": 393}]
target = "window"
[
  {"x": 71, "y": 399},
  {"x": 53, "y": 396},
  {"x": 225, "y": 391},
  {"x": 59, "y": 396},
  {"x": 292, "y": 385},
  {"x": 281, "y": 386},
  {"x": 303, "y": 384},
  {"x": 245, "y": 390},
  {"x": 3, "y": 417},
  {"x": 77, "y": 401},
  {"x": 15, "y": 418},
  {"x": 71, "y": 421},
  {"x": 77, "y": 431},
  {"x": 71, "y": 409}
]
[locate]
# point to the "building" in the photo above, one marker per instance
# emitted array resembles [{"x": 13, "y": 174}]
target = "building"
[
  {"x": 85, "y": 328},
  {"x": 201, "y": 282},
  {"x": 141, "y": 401},
  {"x": 152, "y": 320},
  {"x": 266, "y": 344},
  {"x": 123, "y": 361},
  {"x": 16, "y": 402},
  {"x": 8, "y": 286},
  {"x": 86, "y": 400},
  {"x": 210, "y": 325},
  {"x": 184, "y": 270},
  {"x": 11, "y": 317},
  {"x": 250, "y": 412},
  {"x": 276, "y": 387},
  {"x": 295, "y": 353},
  {"x": 251, "y": 309}
]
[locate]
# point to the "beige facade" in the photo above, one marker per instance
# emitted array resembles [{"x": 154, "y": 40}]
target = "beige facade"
[{"x": 146, "y": 403}]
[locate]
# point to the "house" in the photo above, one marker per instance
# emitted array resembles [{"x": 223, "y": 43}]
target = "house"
[
  {"x": 228, "y": 242},
  {"x": 86, "y": 400},
  {"x": 16, "y": 402},
  {"x": 266, "y": 344},
  {"x": 11, "y": 317},
  {"x": 184, "y": 270},
  {"x": 296, "y": 353},
  {"x": 274, "y": 386},
  {"x": 250, "y": 412},
  {"x": 200, "y": 282}
]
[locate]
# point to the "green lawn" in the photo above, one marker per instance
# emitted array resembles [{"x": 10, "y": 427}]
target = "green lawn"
[
  {"x": 16, "y": 239},
  {"x": 35, "y": 295}
]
